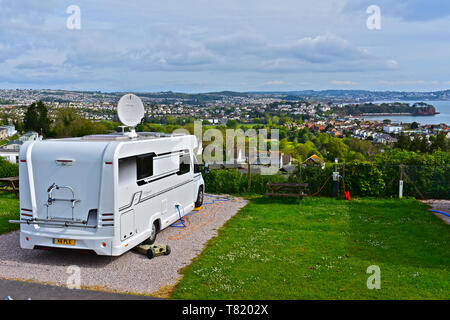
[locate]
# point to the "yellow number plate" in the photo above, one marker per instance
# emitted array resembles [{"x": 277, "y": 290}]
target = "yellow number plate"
[{"x": 66, "y": 242}]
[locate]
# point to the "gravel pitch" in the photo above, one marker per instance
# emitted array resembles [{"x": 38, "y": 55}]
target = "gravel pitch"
[
  {"x": 132, "y": 272},
  {"x": 440, "y": 205}
]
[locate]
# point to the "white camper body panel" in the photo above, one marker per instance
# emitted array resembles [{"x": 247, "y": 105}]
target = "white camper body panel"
[{"x": 104, "y": 192}]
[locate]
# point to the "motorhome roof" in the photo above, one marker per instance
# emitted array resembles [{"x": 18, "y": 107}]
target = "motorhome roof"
[{"x": 122, "y": 137}]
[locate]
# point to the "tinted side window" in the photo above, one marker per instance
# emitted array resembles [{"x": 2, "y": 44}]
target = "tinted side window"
[
  {"x": 185, "y": 164},
  {"x": 144, "y": 165}
]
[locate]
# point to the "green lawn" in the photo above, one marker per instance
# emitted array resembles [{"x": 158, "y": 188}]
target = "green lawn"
[
  {"x": 9, "y": 209},
  {"x": 273, "y": 251}
]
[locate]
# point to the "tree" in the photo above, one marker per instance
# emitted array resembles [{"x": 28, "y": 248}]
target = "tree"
[
  {"x": 424, "y": 145},
  {"x": 303, "y": 135},
  {"x": 232, "y": 123},
  {"x": 336, "y": 149},
  {"x": 306, "y": 150},
  {"x": 366, "y": 148},
  {"x": 415, "y": 144},
  {"x": 69, "y": 123},
  {"x": 275, "y": 120},
  {"x": 36, "y": 118},
  {"x": 403, "y": 142},
  {"x": 441, "y": 142},
  {"x": 414, "y": 125},
  {"x": 31, "y": 117}
]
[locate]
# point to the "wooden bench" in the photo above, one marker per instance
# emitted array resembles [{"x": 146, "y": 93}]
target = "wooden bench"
[
  {"x": 10, "y": 184},
  {"x": 287, "y": 190}
]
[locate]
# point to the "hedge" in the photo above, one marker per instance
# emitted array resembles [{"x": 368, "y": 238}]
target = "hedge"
[
  {"x": 8, "y": 169},
  {"x": 362, "y": 179}
]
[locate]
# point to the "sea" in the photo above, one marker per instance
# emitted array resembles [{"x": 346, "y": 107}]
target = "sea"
[{"x": 443, "y": 107}]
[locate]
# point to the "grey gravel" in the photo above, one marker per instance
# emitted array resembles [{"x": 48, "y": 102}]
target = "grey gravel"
[
  {"x": 131, "y": 272},
  {"x": 440, "y": 205}
]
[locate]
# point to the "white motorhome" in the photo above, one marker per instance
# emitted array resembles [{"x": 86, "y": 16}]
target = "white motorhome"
[{"x": 106, "y": 193}]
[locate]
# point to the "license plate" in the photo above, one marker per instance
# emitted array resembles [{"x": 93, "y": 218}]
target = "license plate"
[{"x": 67, "y": 242}]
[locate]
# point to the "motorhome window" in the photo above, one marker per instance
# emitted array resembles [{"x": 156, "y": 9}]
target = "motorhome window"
[
  {"x": 127, "y": 170},
  {"x": 197, "y": 165},
  {"x": 185, "y": 164},
  {"x": 144, "y": 165}
]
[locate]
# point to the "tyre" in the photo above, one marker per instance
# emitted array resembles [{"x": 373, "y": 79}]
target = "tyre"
[
  {"x": 152, "y": 237},
  {"x": 167, "y": 251},
  {"x": 150, "y": 253},
  {"x": 200, "y": 195}
]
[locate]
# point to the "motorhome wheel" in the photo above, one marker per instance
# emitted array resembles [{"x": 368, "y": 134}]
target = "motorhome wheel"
[
  {"x": 199, "y": 201},
  {"x": 153, "y": 234}
]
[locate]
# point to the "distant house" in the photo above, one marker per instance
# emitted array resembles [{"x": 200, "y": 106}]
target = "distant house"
[
  {"x": 3, "y": 134},
  {"x": 10, "y": 130},
  {"x": 29, "y": 136},
  {"x": 392, "y": 129},
  {"x": 384, "y": 138},
  {"x": 13, "y": 145},
  {"x": 10, "y": 155},
  {"x": 16, "y": 144},
  {"x": 316, "y": 160}
]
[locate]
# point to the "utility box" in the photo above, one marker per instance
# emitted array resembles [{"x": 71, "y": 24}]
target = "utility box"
[{"x": 126, "y": 225}]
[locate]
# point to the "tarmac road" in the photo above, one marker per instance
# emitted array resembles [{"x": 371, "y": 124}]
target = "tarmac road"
[{"x": 19, "y": 290}]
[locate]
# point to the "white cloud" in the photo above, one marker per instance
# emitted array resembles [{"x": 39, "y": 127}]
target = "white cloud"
[
  {"x": 343, "y": 83},
  {"x": 401, "y": 82},
  {"x": 275, "y": 83},
  {"x": 202, "y": 42}
]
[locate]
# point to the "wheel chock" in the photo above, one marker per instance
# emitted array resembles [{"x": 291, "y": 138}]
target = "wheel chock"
[{"x": 153, "y": 250}]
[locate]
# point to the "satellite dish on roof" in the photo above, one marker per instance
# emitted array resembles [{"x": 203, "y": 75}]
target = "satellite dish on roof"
[{"x": 130, "y": 110}]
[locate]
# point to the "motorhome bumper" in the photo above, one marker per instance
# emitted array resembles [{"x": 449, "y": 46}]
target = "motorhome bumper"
[
  {"x": 54, "y": 223},
  {"x": 33, "y": 240}
]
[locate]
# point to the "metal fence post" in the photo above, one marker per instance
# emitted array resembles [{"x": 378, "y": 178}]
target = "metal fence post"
[{"x": 400, "y": 184}]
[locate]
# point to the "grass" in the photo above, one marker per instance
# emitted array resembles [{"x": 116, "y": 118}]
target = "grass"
[
  {"x": 9, "y": 209},
  {"x": 273, "y": 251}
]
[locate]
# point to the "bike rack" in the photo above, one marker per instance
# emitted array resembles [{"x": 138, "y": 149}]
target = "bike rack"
[
  {"x": 51, "y": 200},
  {"x": 57, "y": 222}
]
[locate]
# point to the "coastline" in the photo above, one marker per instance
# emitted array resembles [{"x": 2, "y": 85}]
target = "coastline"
[{"x": 400, "y": 114}]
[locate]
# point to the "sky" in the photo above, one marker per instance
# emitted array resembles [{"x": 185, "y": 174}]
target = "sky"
[{"x": 211, "y": 45}]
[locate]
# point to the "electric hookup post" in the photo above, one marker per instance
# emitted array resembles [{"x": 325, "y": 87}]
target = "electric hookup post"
[{"x": 335, "y": 180}]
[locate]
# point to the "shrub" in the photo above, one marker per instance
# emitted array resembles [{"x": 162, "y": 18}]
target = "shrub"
[
  {"x": 361, "y": 178},
  {"x": 8, "y": 169},
  {"x": 233, "y": 181}
]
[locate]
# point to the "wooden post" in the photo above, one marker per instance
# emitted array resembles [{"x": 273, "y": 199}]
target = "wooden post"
[
  {"x": 343, "y": 171},
  {"x": 299, "y": 173}
]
